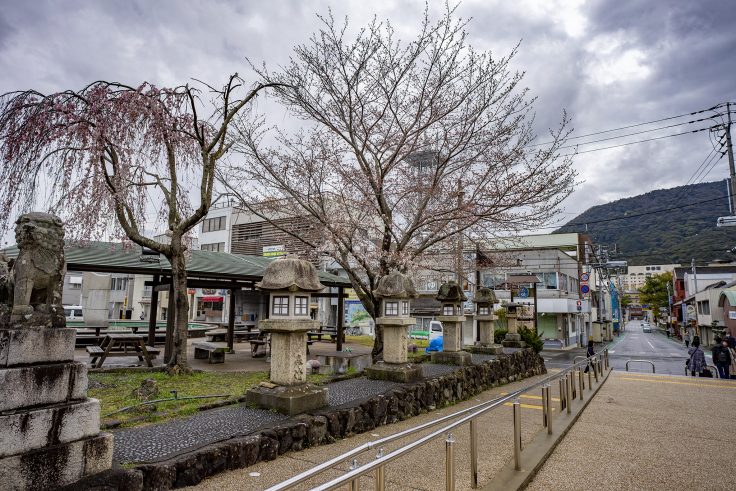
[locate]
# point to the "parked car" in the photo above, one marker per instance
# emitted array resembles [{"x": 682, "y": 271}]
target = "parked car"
[
  {"x": 73, "y": 312},
  {"x": 434, "y": 331},
  {"x": 646, "y": 327}
]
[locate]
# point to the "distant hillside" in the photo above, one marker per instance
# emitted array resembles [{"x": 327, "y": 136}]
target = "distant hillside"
[{"x": 674, "y": 236}]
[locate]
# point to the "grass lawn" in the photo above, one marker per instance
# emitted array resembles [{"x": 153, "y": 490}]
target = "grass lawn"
[{"x": 114, "y": 390}]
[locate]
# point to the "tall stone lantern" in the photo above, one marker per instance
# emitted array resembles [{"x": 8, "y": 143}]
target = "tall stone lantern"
[
  {"x": 289, "y": 281},
  {"x": 513, "y": 338},
  {"x": 452, "y": 317},
  {"x": 484, "y": 300},
  {"x": 395, "y": 291}
]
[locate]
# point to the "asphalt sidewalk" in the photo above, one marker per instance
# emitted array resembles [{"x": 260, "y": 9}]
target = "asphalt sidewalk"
[{"x": 651, "y": 432}]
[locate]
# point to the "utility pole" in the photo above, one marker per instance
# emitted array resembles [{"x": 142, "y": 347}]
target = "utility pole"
[
  {"x": 669, "y": 305},
  {"x": 731, "y": 167}
]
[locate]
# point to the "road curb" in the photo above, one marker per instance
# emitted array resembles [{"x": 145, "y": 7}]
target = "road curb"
[{"x": 536, "y": 453}]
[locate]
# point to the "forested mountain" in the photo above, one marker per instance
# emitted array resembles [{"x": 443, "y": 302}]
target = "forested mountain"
[{"x": 641, "y": 232}]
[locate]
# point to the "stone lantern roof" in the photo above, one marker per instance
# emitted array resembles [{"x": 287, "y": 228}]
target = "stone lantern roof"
[
  {"x": 290, "y": 273},
  {"x": 450, "y": 292},
  {"x": 484, "y": 296},
  {"x": 395, "y": 285}
]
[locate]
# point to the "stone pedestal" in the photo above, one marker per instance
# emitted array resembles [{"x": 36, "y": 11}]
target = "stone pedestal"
[
  {"x": 49, "y": 429},
  {"x": 290, "y": 393},
  {"x": 487, "y": 343},
  {"x": 452, "y": 342},
  {"x": 395, "y": 365},
  {"x": 513, "y": 338}
]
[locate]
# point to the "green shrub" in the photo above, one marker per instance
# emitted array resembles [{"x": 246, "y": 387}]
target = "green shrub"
[
  {"x": 499, "y": 334},
  {"x": 532, "y": 338}
]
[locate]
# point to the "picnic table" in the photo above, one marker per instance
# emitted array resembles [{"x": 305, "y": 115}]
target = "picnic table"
[
  {"x": 318, "y": 334},
  {"x": 122, "y": 345}
]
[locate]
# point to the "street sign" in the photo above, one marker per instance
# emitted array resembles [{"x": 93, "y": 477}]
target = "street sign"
[
  {"x": 584, "y": 289},
  {"x": 584, "y": 277},
  {"x": 523, "y": 292}
]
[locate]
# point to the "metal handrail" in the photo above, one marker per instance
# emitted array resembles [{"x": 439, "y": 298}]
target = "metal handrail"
[
  {"x": 641, "y": 361},
  {"x": 599, "y": 359}
]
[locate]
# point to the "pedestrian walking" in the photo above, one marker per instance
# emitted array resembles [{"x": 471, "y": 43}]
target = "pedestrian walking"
[
  {"x": 671, "y": 332},
  {"x": 686, "y": 338},
  {"x": 732, "y": 352},
  {"x": 722, "y": 357},
  {"x": 730, "y": 340},
  {"x": 589, "y": 353},
  {"x": 696, "y": 362}
]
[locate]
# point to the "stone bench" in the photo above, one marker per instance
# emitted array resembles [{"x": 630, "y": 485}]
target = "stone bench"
[{"x": 210, "y": 352}]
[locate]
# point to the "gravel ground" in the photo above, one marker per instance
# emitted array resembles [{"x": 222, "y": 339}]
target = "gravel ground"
[{"x": 648, "y": 432}]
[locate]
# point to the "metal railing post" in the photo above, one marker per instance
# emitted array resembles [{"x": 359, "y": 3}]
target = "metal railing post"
[
  {"x": 595, "y": 370},
  {"x": 450, "y": 463},
  {"x": 380, "y": 473},
  {"x": 473, "y": 455},
  {"x": 544, "y": 406},
  {"x": 580, "y": 383},
  {"x": 606, "y": 355},
  {"x": 590, "y": 378},
  {"x": 568, "y": 387},
  {"x": 355, "y": 483},
  {"x": 572, "y": 383},
  {"x": 562, "y": 393},
  {"x": 517, "y": 435},
  {"x": 549, "y": 408}
]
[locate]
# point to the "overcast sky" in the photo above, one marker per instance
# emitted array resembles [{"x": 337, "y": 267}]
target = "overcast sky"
[{"x": 608, "y": 63}]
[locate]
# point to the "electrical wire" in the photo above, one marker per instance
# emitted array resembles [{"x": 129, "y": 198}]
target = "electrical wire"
[{"x": 637, "y": 125}]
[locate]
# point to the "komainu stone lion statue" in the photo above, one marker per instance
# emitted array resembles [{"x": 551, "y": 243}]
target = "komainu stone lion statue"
[{"x": 38, "y": 271}]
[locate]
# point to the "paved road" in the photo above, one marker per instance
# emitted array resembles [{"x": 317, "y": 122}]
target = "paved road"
[{"x": 668, "y": 355}]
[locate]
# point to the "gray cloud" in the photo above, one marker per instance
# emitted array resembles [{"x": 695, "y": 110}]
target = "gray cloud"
[{"x": 609, "y": 63}]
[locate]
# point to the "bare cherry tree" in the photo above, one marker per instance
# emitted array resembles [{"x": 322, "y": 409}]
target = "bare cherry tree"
[
  {"x": 405, "y": 147},
  {"x": 115, "y": 152}
]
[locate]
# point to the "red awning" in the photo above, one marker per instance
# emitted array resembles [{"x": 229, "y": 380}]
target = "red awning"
[{"x": 211, "y": 299}]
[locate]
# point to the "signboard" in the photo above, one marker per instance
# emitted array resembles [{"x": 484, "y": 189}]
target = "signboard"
[
  {"x": 584, "y": 289},
  {"x": 585, "y": 277},
  {"x": 274, "y": 251},
  {"x": 732, "y": 314},
  {"x": 523, "y": 292}
]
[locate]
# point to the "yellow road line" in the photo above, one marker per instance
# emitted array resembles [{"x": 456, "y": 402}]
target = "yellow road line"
[
  {"x": 656, "y": 377},
  {"x": 724, "y": 386},
  {"x": 528, "y": 396},
  {"x": 526, "y": 406}
]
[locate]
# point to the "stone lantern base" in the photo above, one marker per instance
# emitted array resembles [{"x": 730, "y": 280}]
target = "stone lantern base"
[
  {"x": 291, "y": 400},
  {"x": 513, "y": 340},
  {"x": 486, "y": 349},
  {"x": 395, "y": 372},
  {"x": 452, "y": 358}
]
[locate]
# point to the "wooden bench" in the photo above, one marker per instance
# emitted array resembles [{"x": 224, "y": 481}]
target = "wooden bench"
[
  {"x": 210, "y": 352},
  {"x": 255, "y": 344}
]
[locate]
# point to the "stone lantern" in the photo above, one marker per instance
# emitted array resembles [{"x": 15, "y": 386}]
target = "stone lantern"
[
  {"x": 289, "y": 281},
  {"x": 395, "y": 291},
  {"x": 451, "y": 297},
  {"x": 513, "y": 338},
  {"x": 484, "y": 300}
]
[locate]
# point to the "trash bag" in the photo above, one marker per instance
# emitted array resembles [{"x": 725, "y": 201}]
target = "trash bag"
[{"x": 434, "y": 345}]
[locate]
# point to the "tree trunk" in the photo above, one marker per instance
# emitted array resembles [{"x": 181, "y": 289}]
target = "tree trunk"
[
  {"x": 375, "y": 312},
  {"x": 178, "y": 362}
]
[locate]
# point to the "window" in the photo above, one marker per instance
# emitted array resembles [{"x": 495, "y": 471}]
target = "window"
[
  {"x": 704, "y": 308},
  {"x": 448, "y": 310},
  {"x": 483, "y": 310},
  {"x": 648, "y": 268},
  {"x": 280, "y": 306},
  {"x": 214, "y": 247},
  {"x": 213, "y": 224},
  {"x": 391, "y": 308},
  {"x": 301, "y": 305},
  {"x": 147, "y": 291},
  {"x": 75, "y": 286},
  {"x": 404, "y": 308},
  {"x": 118, "y": 284}
]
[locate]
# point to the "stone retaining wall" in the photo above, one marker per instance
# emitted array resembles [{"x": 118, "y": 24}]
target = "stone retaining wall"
[{"x": 328, "y": 425}]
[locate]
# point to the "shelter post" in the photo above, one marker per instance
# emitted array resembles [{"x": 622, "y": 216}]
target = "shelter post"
[
  {"x": 170, "y": 318},
  {"x": 231, "y": 321},
  {"x": 340, "y": 318},
  {"x": 152, "y": 313}
]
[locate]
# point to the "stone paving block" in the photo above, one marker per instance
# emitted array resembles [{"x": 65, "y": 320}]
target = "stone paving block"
[
  {"x": 60, "y": 423},
  {"x": 36, "y": 345},
  {"x": 41, "y": 384}
]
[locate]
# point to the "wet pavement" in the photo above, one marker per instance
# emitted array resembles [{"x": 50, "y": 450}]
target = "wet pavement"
[{"x": 668, "y": 355}]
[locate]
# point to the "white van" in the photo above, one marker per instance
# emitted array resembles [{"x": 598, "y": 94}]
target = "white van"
[
  {"x": 435, "y": 330},
  {"x": 73, "y": 312}
]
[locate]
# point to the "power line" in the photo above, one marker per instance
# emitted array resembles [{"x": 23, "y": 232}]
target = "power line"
[
  {"x": 638, "y": 141},
  {"x": 636, "y": 125}
]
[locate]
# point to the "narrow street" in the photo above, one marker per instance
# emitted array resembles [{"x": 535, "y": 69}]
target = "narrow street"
[{"x": 668, "y": 355}]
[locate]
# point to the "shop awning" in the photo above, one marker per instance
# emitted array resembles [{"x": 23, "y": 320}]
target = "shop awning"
[{"x": 211, "y": 299}]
